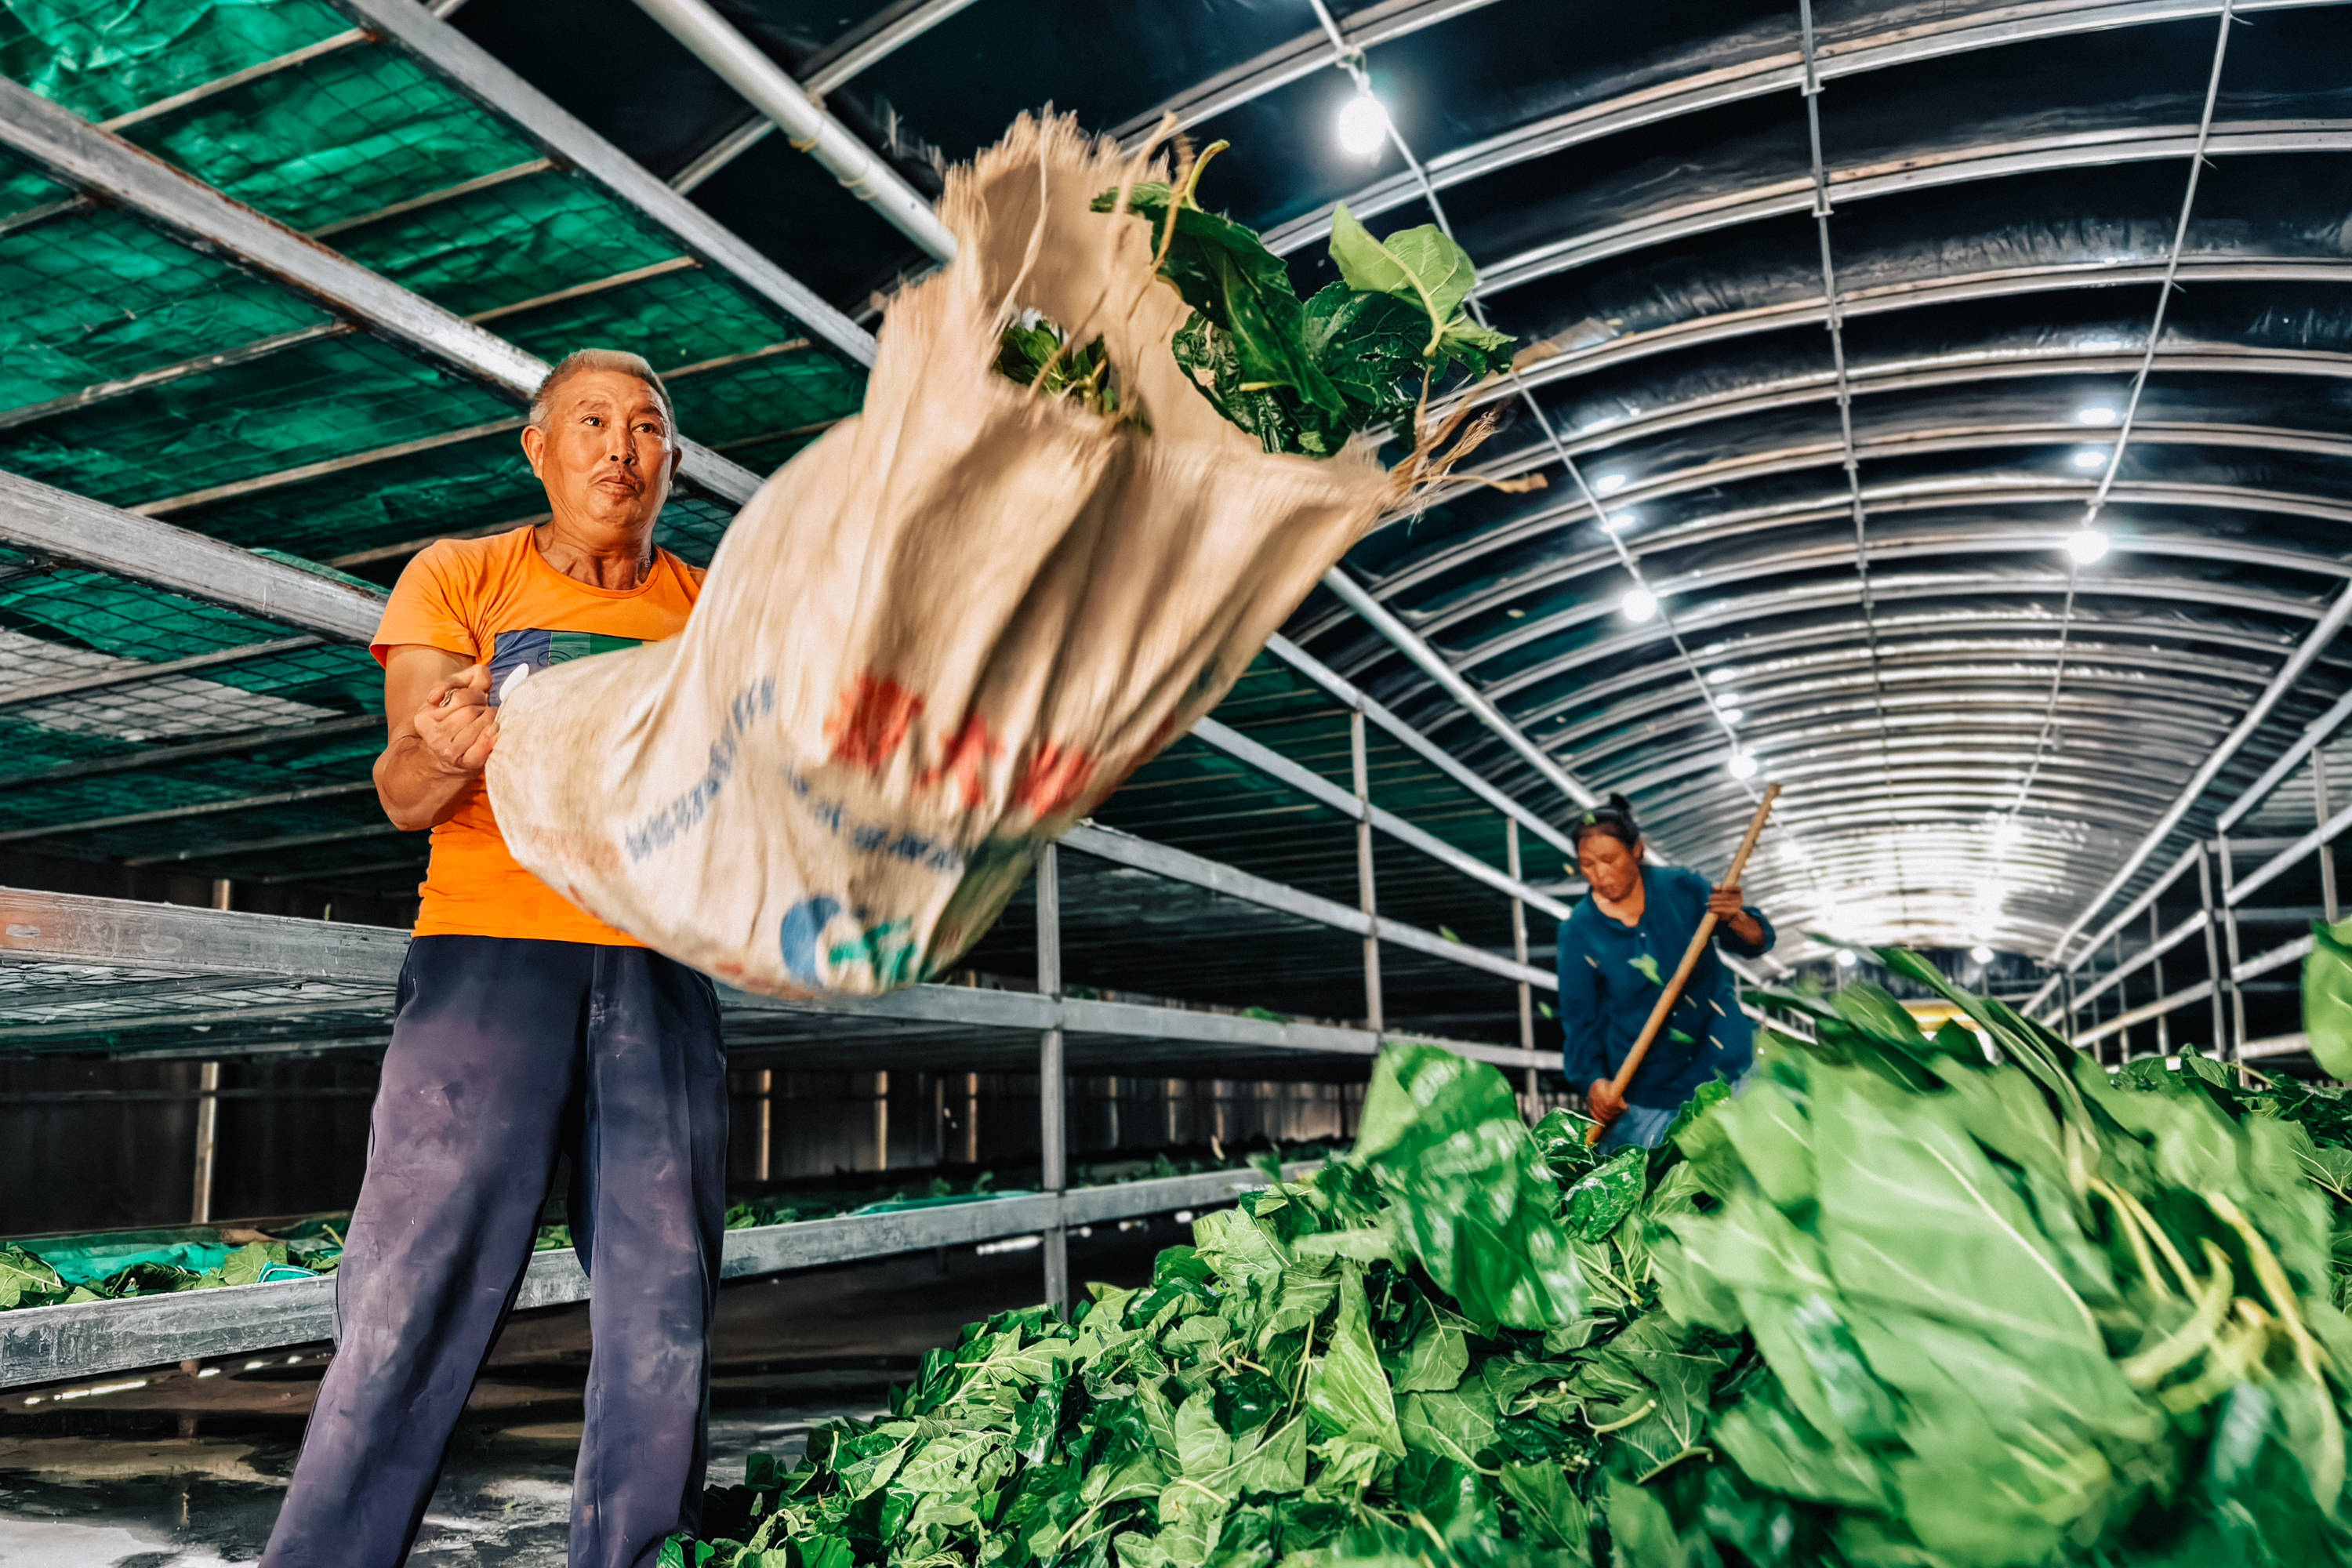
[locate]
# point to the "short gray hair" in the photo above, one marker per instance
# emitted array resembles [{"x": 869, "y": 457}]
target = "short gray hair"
[{"x": 580, "y": 362}]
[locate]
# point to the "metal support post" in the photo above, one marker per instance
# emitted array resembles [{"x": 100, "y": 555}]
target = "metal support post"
[
  {"x": 882, "y": 1121},
  {"x": 1051, "y": 1129},
  {"x": 1519, "y": 950},
  {"x": 2115, "y": 962},
  {"x": 2229, "y": 952},
  {"x": 200, "y": 1207},
  {"x": 767, "y": 1122},
  {"x": 2212, "y": 946},
  {"x": 2163, "y": 1029},
  {"x": 2326, "y": 852},
  {"x": 208, "y": 1139},
  {"x": 1374, "y": 1014},
  {"x": 971, "y": 1119}
]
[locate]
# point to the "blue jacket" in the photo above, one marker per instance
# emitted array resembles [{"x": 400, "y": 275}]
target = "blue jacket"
[{"x": 1609, "y": 977}]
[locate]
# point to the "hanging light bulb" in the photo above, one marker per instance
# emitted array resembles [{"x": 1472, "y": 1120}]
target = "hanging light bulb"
[
  {"x": 2088, "y": 458},
  {"x": 1846, "y": 958},
  {"x": 2086, "y": 545},
  {"x": 1639, "y": 603},
  {"x": 1363, "y": 125},
  {"x": 1608, "y": 484},
  {"x": 1734, "y": 715},
  {"x": 2096, "y": 414},
  {"x": 1743, "y": 764},
  {"x": 1980, "y": 953}
]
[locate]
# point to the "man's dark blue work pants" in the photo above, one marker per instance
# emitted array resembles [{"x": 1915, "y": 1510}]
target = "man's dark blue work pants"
[{"x": 504, "y": 1052}]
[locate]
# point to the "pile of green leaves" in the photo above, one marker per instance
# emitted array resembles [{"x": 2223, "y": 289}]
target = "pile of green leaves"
[
  {"x": 314, "y": 1246},
  {"x": 28, "y": 1280},
  {"x": 1361, "y": 355},
  {"x": 1896, "y": 1303}
]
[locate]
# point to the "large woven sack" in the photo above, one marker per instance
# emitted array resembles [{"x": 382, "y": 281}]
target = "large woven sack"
[{"x": 939, "y": 636}]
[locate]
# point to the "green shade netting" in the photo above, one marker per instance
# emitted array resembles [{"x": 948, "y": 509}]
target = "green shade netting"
[
  {"x": 690, "y": 526},
  {"x": 344, "y": 135},
  {"x": 676, "y": 319},
  {"x": 285, "y": 766},
  {"x": 98, "y": 295},
  {"x": 766, "y": 397},
  {"x": 515, "y": 241},
  {"x": 252, "y": 831},
  {"x": 104, "y": 58},
  {"x": 447, "y": 490},
  {"x": 319, "y": 400},
  {"x": 23, "y": 187},
  {"x": 86, "y": 613}
]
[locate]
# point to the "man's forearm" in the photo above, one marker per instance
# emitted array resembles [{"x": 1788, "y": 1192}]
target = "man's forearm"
[{"x": 417, "y": 789}]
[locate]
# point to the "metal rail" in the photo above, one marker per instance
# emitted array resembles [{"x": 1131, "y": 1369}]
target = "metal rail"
[
  {"x": 563, "y": 137},
  {"x": 45, "y": 1345}
]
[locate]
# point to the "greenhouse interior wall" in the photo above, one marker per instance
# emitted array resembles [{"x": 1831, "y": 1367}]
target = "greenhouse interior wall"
[{"x": 1934, "y": 411}]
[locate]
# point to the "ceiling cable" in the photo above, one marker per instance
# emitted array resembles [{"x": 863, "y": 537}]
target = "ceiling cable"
[
  {"x": 1352, "y": 61},
  {"x": 2048, "y": 735},
  {"x": 1833, "y": 317}
]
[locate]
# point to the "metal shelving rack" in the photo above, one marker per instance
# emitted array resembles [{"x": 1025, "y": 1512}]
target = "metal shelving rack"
[
  {"x": 131, "y": 979},
  {"x": 2116, "y": 988}
]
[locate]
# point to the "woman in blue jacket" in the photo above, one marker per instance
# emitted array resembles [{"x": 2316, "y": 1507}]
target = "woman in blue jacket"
[{"x": 1617, "y": 950}]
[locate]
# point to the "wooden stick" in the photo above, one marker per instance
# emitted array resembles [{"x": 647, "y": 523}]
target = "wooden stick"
[{"x": 1674, "y": 991}]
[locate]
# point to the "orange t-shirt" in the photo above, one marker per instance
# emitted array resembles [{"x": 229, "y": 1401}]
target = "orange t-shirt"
[{"x": 497, "y": 601}]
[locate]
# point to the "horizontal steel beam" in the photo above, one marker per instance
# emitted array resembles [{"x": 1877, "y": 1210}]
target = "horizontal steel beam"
[
  {"x": 2314, "y": 644},
  {"x": 34, "y": 516},
  {"x": 132, "y": 672},
  {"x": 220, "y": 746},
  {"x": 2172, "y": 1002},
  {"x": 2163, "y": 944},
  {"x": 2314, "y": 735},
  {"x": 2287, "y": 860},
  {"x": 47, "y": 1345},
  {"x": 1178, "y": 865},
  {"x": 1703, "y": 80},
  {"x": 1672, "y": 221},
  {"x": 564, "y": 137},
  {"x": 197, "y": 808},
  {"x": 1324, "y": 792},
  {"x": 69, "y": 148},
  {"x": 96, "y": 392},
  {"x": 149, "y": 940},
  {"x": 1429, "y": 751}
]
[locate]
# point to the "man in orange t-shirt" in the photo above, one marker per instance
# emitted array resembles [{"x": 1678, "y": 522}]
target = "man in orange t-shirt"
[{"x": 526, "y": 1028}]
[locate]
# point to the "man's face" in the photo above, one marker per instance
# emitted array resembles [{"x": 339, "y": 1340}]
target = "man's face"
[
  {"x": 1608, "y": 865},
  {"x": 607, "y": 453}
]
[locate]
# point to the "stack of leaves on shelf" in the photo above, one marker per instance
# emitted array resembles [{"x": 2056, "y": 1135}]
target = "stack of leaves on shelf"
[
  {"x": 314, "y": 1246},
  {"x": 29, "y": 1279},
  {"x": 1362, "y": 355},
  {"x": 1895, "y": 1304}
]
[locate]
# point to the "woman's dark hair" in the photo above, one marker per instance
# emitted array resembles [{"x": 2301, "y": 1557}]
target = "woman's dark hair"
[{"x": 1615, "y": 819}]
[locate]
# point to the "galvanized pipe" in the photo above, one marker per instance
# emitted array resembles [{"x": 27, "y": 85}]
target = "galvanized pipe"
[{"x": 741, "y": 64}]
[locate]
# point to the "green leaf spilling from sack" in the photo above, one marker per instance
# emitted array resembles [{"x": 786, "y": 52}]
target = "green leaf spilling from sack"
[
  {"x": 1891, "y": 1306},
  {"x": 1304, "y": 377}
]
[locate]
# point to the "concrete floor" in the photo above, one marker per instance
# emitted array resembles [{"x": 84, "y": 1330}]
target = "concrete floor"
[{"x": 187, "y": 1471}]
